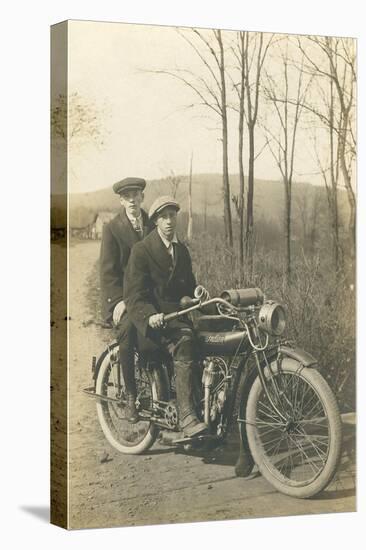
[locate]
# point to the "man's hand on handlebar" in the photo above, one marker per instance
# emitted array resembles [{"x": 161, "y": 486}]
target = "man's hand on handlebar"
[
  {"x": 157, "y": 320},
  {"x": 160, "y": 320}
]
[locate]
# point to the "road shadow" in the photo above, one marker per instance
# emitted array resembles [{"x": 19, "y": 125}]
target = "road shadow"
[
  {"x": 336, "y": 494},
  {"x": 344, "y": 483},
  {"x": 223, "y": 453},
  {"x": 226, "y": 454}
]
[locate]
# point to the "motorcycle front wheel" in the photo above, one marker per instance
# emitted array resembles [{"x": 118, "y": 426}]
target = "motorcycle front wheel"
[
  {"x": 125, "y": 437},
  {"x": 295, "y": 440}
]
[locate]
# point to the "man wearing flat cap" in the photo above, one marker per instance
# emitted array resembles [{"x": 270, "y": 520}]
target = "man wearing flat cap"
[
  {"x": 119, "y": 236},
  {"x": 158, "y": 275}
]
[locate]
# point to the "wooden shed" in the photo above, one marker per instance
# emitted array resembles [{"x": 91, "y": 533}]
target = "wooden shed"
[{"x": 102, "y": 219}]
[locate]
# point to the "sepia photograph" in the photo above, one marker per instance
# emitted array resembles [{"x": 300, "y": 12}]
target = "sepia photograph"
[{"x": 203, "y": 274}]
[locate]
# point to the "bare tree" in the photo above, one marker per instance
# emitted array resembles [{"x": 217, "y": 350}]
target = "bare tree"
[
  {"x": 308, "y": 207},
  {"x": 75, "y": 123},
  {"x": 314, "y": 220},
  {"x": 174, "y": 182},
  {"x": 210, "y": 90},
  {"x": 330, "y": 176},
  {"x": 76, "y": 120},
  {"x": 239, "y": 53},
  {"x": 190, "y": 212},
  {"x": 225, "y": 163},
  {"x": 282, "y": 143},
  {"x": 205, "y": 209},
  {"x": 250, "y": 53},
  {"x": 336, "y": 76}
]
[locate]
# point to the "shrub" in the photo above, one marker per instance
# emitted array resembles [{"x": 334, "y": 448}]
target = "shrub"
[{"x": 320, "y": 303}]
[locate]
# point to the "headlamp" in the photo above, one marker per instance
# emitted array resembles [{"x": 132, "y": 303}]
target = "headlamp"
[{"x": 272, "y": 318}]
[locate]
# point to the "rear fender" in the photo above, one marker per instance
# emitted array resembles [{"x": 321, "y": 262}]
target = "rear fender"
[{"x": 96, "y": 364}]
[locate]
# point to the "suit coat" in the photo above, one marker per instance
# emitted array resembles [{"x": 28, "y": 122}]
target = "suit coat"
[
  {"x": 154, "y": 283},
  {"x": 118, "y": 238}
]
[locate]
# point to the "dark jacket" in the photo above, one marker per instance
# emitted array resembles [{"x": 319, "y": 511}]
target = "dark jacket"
[
  {"x": 152, "y": 283},
  {"x": 117, "y": 240}
]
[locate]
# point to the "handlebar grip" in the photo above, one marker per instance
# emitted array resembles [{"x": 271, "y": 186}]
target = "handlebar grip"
[
  {"x": 188, "y": 304},
  {"x": 197, "y": 304},
  {"x": 172, "y": 316}
]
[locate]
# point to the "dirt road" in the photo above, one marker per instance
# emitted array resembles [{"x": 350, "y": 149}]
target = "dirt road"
[{"x": 162, "y": 486}]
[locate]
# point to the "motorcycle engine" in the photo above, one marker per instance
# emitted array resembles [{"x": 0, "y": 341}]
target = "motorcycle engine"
[{"x": 214, "y": 381}]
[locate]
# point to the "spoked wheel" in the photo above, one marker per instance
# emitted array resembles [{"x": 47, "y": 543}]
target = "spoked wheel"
[
  {"x": 123, "y": 436},
  {"x": 296, "y": 439}
]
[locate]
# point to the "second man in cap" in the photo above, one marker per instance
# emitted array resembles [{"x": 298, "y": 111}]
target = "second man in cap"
[{"x": 119, "y": 236}]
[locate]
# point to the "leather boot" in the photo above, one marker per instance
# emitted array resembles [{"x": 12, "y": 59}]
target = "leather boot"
[
  {"x": 131, "y": 414},
  {"x": 128, "y": 374},
  {"x": 188, "y": 420},
  {"x": 245, "y": 463}
]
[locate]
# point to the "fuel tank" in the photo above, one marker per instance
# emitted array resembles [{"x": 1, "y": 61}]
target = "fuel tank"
[{"x": 221, "y": 343}]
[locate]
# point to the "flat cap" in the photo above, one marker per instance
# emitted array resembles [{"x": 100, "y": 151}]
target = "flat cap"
[
  {"x": 160, "y": 203},
  {"x": 129, "y": 183}
]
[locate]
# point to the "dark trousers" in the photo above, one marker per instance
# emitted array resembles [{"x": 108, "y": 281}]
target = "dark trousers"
[
  {"x": 178, "y": 339},
  {"x": 126, "y": 337}
]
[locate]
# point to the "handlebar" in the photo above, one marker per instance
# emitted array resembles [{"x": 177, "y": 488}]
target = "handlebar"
[{"x": 177, "y": 314}]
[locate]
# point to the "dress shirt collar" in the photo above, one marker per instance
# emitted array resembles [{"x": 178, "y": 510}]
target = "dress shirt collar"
[
  {"x": 165, "y": 240},
  {"x": 135, "y": 220}
]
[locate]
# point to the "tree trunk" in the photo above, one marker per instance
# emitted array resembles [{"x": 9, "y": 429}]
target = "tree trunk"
[
  {"x": 190, "y": 213},
  {"x": 225, "y": 164},
  {"x": 241, "y": 203},
  {"x": 226, "y": 185},
  {"x": 314, "y": 223},
  {"x": 250, "y": 209},
  {"x": 352, "y": 204},
  {"x": 241, "y": 163},
  {"x": 332, "y": 197},
  {"x": 345, "y": 100},
  {"x": 334, "y": 172},
  {"x": 287, "y": 233},
  {"x": 335, "y": 231}
]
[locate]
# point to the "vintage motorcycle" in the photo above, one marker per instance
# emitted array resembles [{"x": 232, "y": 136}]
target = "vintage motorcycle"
[{"x": 287, "y": 415}]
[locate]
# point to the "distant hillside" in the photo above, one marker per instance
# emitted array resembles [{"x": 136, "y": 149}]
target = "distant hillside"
[{"x": 207, "y": 198}]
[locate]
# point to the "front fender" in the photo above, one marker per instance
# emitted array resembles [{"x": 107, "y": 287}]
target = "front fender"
[
  {"x": 300, "y": 355},
  {"x": 274, "y": 353}
]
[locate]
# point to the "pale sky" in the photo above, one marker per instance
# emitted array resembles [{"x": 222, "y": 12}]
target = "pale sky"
[{"x": 147, "y": 128}]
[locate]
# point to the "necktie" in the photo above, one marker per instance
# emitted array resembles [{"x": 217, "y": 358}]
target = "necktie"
[
  {"x": 137, "y": 227},
  {"x": 174, "y": 250}
]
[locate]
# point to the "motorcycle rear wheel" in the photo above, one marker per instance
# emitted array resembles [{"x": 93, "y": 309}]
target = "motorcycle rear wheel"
[
  {"x": 298, "y": 451},
  {"x": 125, "y": 437}
]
